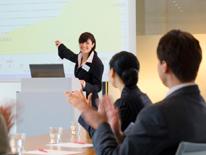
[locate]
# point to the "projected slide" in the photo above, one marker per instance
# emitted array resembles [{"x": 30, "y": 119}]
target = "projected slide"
[{"x": 28, "y": 29}]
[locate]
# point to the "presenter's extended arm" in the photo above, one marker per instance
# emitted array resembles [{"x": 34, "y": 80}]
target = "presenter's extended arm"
[{"x": 66, "y": 53}]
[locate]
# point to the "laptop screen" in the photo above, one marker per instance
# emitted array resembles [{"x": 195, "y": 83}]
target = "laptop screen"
[{"x": 47, "y": 70}]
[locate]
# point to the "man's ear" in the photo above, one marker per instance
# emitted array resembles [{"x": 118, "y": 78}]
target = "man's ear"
[{"x": 165, "y": 67}]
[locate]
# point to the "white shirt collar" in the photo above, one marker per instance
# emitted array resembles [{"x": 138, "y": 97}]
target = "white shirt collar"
[
  {"x": 177, "y": 87},
  {"x": 91, "y": 56},
  {"x": 89, "y": 60}
]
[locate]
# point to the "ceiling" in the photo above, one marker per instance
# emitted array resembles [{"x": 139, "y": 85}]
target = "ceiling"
[{"x": 159, "y": 16}]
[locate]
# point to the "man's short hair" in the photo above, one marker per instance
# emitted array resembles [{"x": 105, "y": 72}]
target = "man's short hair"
[{"x": 182, "y": 53}]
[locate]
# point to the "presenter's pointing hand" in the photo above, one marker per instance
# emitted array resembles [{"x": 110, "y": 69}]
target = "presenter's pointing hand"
[{"x": 57, "y": 43}]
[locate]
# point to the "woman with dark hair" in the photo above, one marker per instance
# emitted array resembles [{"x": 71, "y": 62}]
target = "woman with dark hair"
[
  {"x": 124, "y": 68},
  {"x": 123, "y": 74},
  {"x": 88, "y": 66}
]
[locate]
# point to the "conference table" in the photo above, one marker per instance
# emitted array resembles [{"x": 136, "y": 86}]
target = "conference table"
[{"x": 40, "y": 143}]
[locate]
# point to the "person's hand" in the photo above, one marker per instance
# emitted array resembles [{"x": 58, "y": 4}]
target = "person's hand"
[
  {"x": 101, "y": 109},
  {"x": 89, "y": 100},
  {"x": 83, "y": 83},
  {"x": 58, "y": 43},
  {"x": 112, "y": 114},
  {"x": 6, "y": 111},
  {"x": 78, "y": 100},
  {"x": 95, "y": 118}
]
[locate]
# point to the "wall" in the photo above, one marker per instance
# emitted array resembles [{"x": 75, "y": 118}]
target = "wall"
[{"x": 8, "y": 91}]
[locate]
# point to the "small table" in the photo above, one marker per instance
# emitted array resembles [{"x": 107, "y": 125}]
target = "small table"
[{"x": 37, "y": 142}]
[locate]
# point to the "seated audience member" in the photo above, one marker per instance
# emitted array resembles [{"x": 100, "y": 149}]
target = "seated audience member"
[
  {"x": 6, "y": 112},
  {"x": 6, "y": 122},
  {"x": 4, "y": 144},
  {"x": 123, "y": 74},
  {"x": 124, "y": 68},
  {"x": 159, "y": 128}
]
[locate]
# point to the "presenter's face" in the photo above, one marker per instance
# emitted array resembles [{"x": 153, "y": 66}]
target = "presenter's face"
[{"x": 86, "y": 47}]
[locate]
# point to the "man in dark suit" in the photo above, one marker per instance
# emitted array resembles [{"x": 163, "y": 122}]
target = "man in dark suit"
[{"x": 159, "y": 128}]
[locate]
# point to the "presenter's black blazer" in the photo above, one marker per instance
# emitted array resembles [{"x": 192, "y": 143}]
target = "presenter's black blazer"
[
  {"x": 93, "y": 77},
  {"x": 159, "y": 128}
]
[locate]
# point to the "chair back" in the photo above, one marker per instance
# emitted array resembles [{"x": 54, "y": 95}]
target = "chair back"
[{"x": 188, "y": 148}]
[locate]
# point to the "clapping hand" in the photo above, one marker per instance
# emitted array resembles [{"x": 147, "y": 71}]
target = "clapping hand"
[
  {"x": 106, "y": 107},
  {"x": 78, "y": 100},
  {"x": 106, "y": 111}
]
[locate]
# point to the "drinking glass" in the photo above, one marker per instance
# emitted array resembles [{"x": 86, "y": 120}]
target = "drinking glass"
[
  {"x": 74, "y": 132},
  {"x": 55, "y": 135},
  {"x": 16, "y": 142}
]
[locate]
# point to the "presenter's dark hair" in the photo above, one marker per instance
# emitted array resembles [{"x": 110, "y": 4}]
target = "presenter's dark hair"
[
  {"x": 85, "y": 36},
  {"x": 182, "y": 53},
  {"x": 127, "y": 66}
]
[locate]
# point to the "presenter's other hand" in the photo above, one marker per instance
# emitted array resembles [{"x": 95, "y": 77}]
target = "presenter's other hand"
[
  {"x": 89, "y": 100},
  {"x": 58, "y": 43},
  {"x": 83, "y": 83}
]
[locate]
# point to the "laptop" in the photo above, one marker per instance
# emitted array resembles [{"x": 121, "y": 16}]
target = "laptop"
[{"x": 46, "y": 70}]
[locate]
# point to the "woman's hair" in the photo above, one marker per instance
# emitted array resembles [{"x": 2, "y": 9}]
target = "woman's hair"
[
  {"x": 126, "y": 65},
  {"x": 85, "y": 36}
]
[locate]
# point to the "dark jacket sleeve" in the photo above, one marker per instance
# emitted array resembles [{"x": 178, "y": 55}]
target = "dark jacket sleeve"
[
  {"x": 87, "y": 127},
  {"x": 66, "y": 53},
  {"x": 4, "y": 144},
  {"x": 124, "y": 113},
  {"x": 146, "y": 137},
  {"x": 124, "y": 117}
]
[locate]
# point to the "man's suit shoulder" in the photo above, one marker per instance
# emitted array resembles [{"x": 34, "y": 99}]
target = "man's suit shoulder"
[{"x": 152, "y": 114}]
